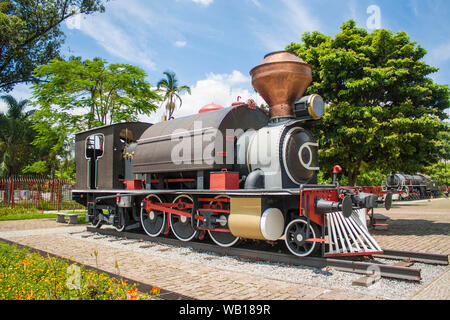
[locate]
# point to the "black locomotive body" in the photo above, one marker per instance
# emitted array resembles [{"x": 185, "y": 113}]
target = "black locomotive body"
[
  {"x": 412, "y": 187},
  {"x": 228, "y": 174}
]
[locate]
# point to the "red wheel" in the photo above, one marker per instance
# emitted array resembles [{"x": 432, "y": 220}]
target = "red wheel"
[
  {"x": 223, "y": 239},
  {"x": 181, "y": 226},
  {"x": 153, "y": 222}
]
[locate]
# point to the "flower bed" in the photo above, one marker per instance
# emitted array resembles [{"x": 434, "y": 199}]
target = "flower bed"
[{"x": 26, "y": 275}]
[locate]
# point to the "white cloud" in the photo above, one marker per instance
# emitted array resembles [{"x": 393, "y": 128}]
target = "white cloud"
[
  {"x": 299, "y": 17},
  {"x": 256, "y": 3},
  {"x": 222, "y": 89},
  {"x": 288, "y": 23},
  {"x": 180, "y": 44},
  {"x": 352, "y": 6},
  {"x": 415, "y": 7},
  {"x": 234, "y": 78},
  {"x": 74, "y": 22},
  {"x": 3, "y": 107},
  {"x": 20, "y": 92},
  {"x": 204, "y": 2},
  {"x": 132, "y": 30},
  {"x": 440, "y": 53},
  {"x": 116, "y": 41}
]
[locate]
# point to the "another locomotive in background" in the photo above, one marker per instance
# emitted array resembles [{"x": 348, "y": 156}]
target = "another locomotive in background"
[
  {"x": 227, "y": 173},
  {"x": 411, "y": 187}
]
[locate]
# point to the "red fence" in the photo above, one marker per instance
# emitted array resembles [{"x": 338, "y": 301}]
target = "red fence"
[{"x": 39, "y": 193}]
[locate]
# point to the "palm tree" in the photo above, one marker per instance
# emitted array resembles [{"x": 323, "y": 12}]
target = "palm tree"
[
  {"x": 172, "y": 90},
  {"x": 16, "y": 135}
]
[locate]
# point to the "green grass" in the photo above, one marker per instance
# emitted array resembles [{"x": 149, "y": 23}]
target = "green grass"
[
  {"x": 7, "y": 211},
  {"x": 26, "y": 275},
  {"x": 45, "y": 205},
  {"x": 81, "y": 218},
  {"x": 8, "y": 214}
]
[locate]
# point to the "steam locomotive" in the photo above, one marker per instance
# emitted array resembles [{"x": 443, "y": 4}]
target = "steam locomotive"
[
  {"x": 411, "y": 187},
  {"x": 228, "y": 174}
]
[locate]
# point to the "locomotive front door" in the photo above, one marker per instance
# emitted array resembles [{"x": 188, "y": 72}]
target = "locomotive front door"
[{"x": 94, "y": 151}]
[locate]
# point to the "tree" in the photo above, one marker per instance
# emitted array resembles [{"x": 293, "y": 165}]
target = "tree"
[
  {"x": 440, "y": 170},
  {"x": 31, "y": 35},
  {"x": 78, "y": 95},
  {"x": 172, "y": 90},
  {"x": 444, "y": 139},
  {"x": 383, "y": 109},
  {"x": 16, "y": 135}
]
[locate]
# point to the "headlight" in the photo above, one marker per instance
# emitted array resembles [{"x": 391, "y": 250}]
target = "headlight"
[{"x": 312, "y": 105}]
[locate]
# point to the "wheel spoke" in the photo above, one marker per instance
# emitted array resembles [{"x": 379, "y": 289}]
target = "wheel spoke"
[
  {"x": 296, "y": 233},
  {"x": 153, "y": 222},
  {"x": 223, "y": 239},
  {"x": 182, "y": 227}
]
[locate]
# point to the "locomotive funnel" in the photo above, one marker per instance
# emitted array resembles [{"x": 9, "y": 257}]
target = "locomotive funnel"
[{"x": 281, "y": 79}]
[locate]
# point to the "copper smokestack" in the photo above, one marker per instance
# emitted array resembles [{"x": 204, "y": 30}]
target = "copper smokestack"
[{"x": 281, "y": 79}]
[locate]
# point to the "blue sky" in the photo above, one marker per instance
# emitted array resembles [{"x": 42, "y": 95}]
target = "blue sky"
[{"x": 212, "y": 44}]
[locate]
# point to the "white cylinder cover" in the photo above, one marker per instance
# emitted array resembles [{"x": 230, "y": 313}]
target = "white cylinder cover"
[{"x": 272, "y": 224}]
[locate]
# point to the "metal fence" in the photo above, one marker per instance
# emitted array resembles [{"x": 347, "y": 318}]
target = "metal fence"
[{"x": 38, "y": 193}]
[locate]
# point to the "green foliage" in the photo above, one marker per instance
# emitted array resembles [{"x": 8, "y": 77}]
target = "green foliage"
[
  {"x": 371, "y": 178},
  {"x": 19, "y": 211},
  {"x": 171, "y": 91},
  {"x": 31, "y": 35},
  {"x": 16, "y": 135},
  {"x": 444, "y": 142},
  {"x": 439, "y": 172},
  {"x": 31, "y": 216},
  {"x": 366, "y": 177},
  {"x": 383, "y": 109},
  {"x": 38, "y": 167},
  {"x": 79, "y": 95}
]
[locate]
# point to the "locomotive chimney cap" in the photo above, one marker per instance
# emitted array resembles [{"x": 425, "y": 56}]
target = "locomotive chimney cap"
[{"x": 281, "y": 79}]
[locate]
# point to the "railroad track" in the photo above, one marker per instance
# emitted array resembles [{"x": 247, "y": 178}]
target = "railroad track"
[{"x": 360, "y": 267}]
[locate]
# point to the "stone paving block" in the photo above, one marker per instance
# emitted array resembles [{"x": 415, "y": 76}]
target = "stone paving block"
[
  {"x": 438, "y": 289},
  {"x": 365, "y": 281},
  {"x": 408, "y": 231}
]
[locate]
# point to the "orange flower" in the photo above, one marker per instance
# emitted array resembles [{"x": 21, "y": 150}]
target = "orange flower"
[
  {"x": 26, "y": 262},
  {"x": 155, "y": 290},
  {"x": 133, "y": 294},
  {"x": 30, "y": 295}
]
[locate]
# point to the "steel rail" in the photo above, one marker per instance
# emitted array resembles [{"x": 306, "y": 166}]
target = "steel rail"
[
  {"x": 428, "y": 258},
  {"x": 387, "y": 271}
]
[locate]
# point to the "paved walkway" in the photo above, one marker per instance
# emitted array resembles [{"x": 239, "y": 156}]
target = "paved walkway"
[
  {"x": 200, "y": 282},
  {"x": 438, "y": 289},
  {"x": 422, "y": 226},
  {"x": 419, "y": 227}
]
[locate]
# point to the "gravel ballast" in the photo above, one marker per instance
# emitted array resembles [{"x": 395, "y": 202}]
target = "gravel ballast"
[{"x": 325, "y": 278}]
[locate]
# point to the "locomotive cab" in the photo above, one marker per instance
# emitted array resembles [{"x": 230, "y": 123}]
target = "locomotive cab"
[{"x": 99, "y": 155}]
